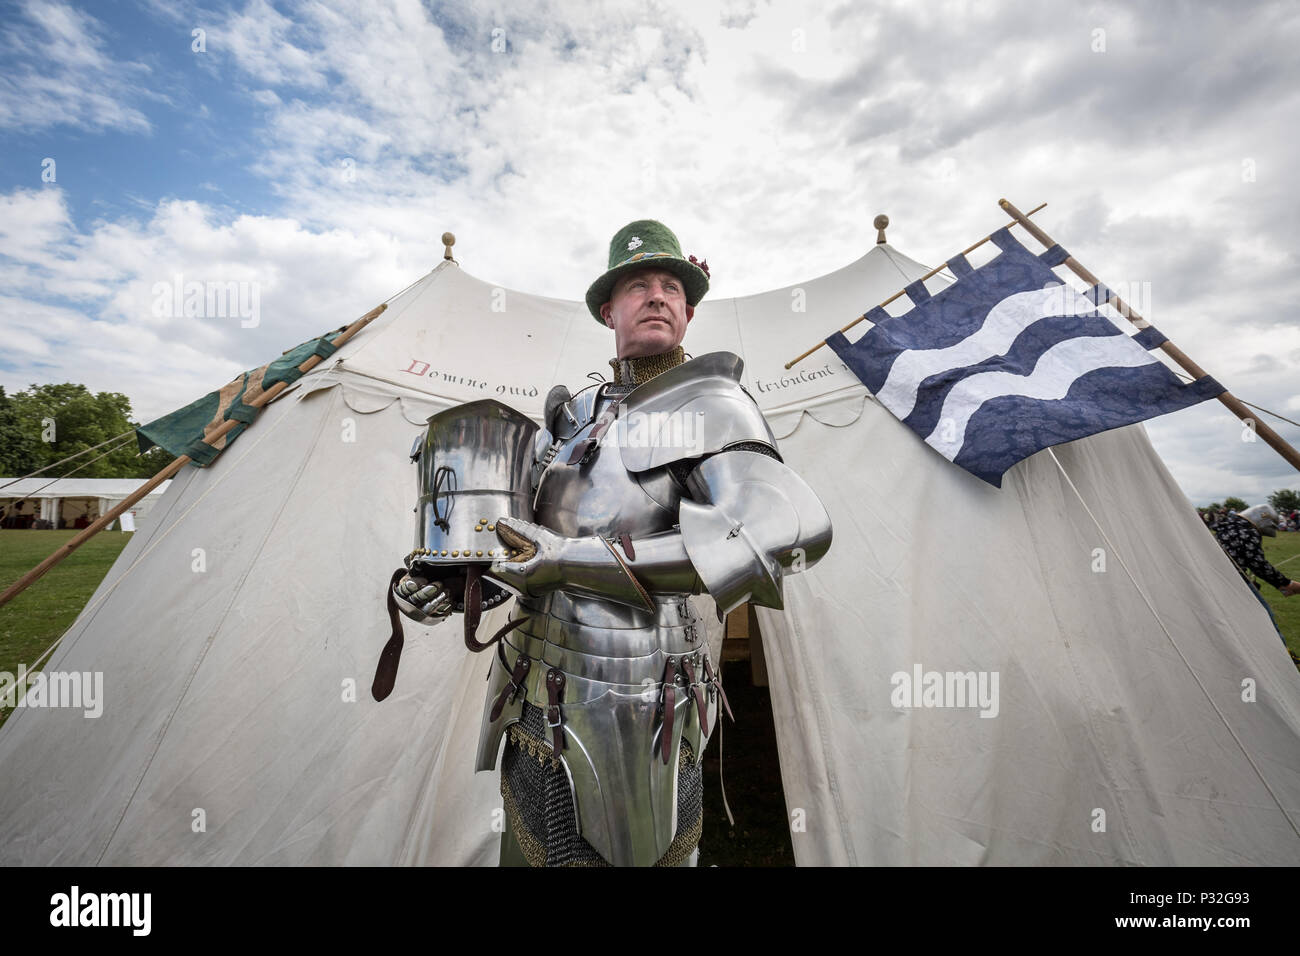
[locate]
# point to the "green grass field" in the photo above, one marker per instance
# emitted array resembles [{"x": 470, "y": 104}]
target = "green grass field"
[
  {"x": 1283, "y": 552},
  {"x": 33, "y": 621}
]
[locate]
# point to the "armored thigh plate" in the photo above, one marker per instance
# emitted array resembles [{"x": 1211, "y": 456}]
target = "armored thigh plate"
[{"x": 615, "y": 706}]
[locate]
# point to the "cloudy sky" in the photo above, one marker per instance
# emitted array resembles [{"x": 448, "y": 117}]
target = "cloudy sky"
[{"x": 316, "y": 151}]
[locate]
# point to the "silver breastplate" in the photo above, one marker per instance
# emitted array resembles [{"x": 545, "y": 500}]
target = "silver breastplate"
[{"x": 601, "y": 496}]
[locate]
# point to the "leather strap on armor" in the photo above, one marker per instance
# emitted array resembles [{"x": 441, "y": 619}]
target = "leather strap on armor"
[
  {"x": 473, "y": 604},
  {"x": 554, "y": 718},
  {"x": 583, "y": 451},
  {"x": 714, "y": 681},
  {"x": 386, "y": 672},
  {"x": 474, "y": 611},
  {"x": 698, "y": 694},
  {"x": 668, "y": 705},
  {"x": 514, "y": 688}
]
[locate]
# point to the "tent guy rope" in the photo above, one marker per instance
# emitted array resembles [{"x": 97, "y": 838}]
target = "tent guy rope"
[
  {"x": 63, "y": 461},
  {"x": 1259, "y": 408},
  {"x": 1281, "y": 806}
]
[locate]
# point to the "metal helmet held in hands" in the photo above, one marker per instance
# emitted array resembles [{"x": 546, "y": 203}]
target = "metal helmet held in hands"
[{"x": 474, "y": 463}]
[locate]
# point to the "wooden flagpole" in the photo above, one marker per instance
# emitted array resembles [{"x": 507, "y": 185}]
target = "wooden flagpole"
[
  {"x": 104, "y": 520},
  {"x": 1234, "y": 404},
  {"x": 935, "y": 271}
]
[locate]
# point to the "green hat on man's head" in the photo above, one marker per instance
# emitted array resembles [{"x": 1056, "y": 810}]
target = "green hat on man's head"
[{"x": 647, "y": 243}]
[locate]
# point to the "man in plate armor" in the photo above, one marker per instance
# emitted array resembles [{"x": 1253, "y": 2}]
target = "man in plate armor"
[{"x": 664, "y": 483}]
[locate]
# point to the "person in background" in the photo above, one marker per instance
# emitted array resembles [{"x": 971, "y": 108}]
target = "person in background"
[{"x": 1240, "y": 536}]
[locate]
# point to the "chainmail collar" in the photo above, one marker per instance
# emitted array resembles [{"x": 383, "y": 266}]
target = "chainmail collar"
[{"x": 638, "y": 371}]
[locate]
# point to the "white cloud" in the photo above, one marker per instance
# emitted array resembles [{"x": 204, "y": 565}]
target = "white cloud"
[
  {"x": 307, "y": 282},
  {"x": 33, "y": 224},
  {"x": 61, "y": 71},
  {"x": 261, "y": 40}
]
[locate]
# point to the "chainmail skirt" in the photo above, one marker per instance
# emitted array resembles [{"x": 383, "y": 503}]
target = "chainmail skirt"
[{"x": 539, "y": 805}]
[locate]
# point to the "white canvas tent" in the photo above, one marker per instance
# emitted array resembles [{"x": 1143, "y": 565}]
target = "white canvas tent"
[
  {"x": 239, "y": 631},
  {"x": 66, "y": 499}
]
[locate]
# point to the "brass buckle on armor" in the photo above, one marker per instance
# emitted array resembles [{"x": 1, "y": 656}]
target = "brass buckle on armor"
[
  {"x": 668, "y": 703},
  {"x": 698, "y": 694},
  {"x": 514, "y": 688},
  {"x": 554, "y": 719}
]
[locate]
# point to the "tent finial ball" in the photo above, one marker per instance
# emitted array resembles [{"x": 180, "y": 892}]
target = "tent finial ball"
[
  {"x": 448, "y": 240},
  {"x": 881, "y": 223}
]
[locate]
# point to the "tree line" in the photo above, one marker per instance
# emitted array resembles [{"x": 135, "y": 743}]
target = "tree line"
[
  {"x": 1284, "y": 502},
  {"x": 45, "y": 424}
]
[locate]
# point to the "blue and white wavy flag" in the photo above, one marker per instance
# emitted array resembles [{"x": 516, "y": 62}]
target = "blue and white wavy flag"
[{"x": 1009, "y": 360}]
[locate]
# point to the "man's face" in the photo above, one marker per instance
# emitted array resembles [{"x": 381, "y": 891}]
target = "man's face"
[{"x": 648, "y": 312}]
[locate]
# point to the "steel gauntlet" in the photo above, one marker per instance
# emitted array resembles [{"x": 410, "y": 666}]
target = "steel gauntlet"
[{"x": 619, "y": 570}]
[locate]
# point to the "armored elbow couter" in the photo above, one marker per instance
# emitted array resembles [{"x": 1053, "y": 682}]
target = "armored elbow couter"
[{"x": 752, "y": 519}]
